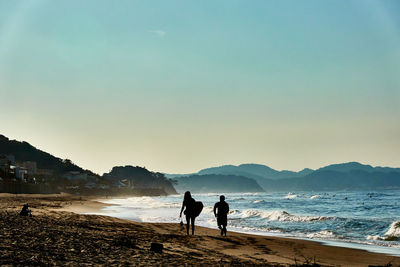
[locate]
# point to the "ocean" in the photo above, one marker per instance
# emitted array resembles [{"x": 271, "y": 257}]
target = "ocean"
[{"x": 359, "y": 219}]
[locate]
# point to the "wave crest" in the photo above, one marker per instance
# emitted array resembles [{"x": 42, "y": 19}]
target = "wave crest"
[
  {"x": 392, "y": 234},
  {"x": 394, "y": 229},
  {"x": 290, "y": 196},
  {"x": 282, "y": 216},
  {"x": 322, "y": 234},
  {"x": 142, "y": 203},
  {"x": 374, "y": 237}
]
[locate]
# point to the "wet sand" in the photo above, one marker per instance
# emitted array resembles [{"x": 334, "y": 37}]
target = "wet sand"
[{"x": 58, "y": 235}]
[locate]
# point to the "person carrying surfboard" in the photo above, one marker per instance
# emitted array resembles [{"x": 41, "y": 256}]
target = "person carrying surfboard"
[
  {"x": 192, "y": 210},
  {"x": 222, "y": 214}
]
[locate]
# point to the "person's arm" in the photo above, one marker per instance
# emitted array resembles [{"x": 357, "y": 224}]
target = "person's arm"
[
  {"x": 183, "y": 206},
  {"x": 227, "y": 205},
  {"x": 215, "y": 208}
]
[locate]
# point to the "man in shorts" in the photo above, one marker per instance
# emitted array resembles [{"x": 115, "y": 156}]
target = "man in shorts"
[{"x": 222, "y": 214}]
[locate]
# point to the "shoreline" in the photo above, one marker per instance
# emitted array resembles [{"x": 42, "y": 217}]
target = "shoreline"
[
  {"x": 59, "y": 216},
  {"x": 385, "y": 250}
]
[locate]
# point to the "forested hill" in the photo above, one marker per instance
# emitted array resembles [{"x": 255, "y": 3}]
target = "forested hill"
[
  {"x": 23, "y": 151},
  {"x": 65, "y": 175},
  {"x": 140, "y": 177}
]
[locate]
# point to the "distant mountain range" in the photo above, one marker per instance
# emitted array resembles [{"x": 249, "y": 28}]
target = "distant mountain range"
[
  {"x": 254, "y": 171},
  {"x": 345, "y": 176},
  {"x": 215, "y": 183}
]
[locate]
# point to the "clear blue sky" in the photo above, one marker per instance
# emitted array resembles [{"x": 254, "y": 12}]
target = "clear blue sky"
[{"x": 177, "y": 86}]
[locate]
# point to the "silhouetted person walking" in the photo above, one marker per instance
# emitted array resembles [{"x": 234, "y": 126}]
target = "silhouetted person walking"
[
  {"x": 189, "y": 206},
  {"x": 222, "y": 214}
]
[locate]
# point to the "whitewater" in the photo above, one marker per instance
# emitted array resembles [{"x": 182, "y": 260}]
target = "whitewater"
[{"x": 364, "y": 219}]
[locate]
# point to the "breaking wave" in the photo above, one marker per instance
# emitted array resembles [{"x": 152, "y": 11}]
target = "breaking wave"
[
  {"x": 374, "y": 237},
  {"x": 322, "y": 234},
  {"x": 234, "y": 212},
  {"x": 208, "y": 209},
  {"x": 392, "y": 234},
  {"x": 394, "y": 229},
  {"x": 142, "y": 203},
  {"x": 290, "y": 196},
  {"x": 282, "y": 216}
]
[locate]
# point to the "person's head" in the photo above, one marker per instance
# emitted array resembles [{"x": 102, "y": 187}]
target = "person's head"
[
  {"x": 222, "y": 198},
  {"x": 187, "y": 195},
  {"x": 26, "y": 206}
]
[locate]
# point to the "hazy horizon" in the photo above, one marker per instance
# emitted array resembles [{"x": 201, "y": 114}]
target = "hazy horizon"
[{"x": 180, "y": 86}]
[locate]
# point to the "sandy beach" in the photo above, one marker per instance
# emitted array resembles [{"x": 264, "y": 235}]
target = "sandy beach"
[{"x": 59, "y": 234}]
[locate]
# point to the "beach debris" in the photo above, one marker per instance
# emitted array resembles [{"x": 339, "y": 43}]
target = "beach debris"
[
  {"x": 156, "y": 247},
  {"x": 389, "y": 264},
  {"x": 308, "y": 262}
]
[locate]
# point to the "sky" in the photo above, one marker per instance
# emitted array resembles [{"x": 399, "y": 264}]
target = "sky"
[{"x": 177, "y": 86}]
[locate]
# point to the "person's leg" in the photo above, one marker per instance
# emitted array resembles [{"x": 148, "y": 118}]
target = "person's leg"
[
  {"x": 225, "y": 222},
  {"x": 219, "y": 224},
  {"x": 193, "y": 218},
  {"x": 187, "y": 224}
]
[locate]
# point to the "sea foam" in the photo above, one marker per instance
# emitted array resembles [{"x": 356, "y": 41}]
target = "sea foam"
[
  {"x": 393, "y": 232},
  {"x": 322, "y": 234},
  {"x": 283, "y": 216},
  {"x": 142, "y": 203},
  {"x": 394, "y": 229},
  {"x": 290, "y": 196}
]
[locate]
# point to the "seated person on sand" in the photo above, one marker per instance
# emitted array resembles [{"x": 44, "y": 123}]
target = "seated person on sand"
[
  {"x": 189, "y": 204},
  {"x": 222, "y": 214},
  {"x": 25, "y": 211}
]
